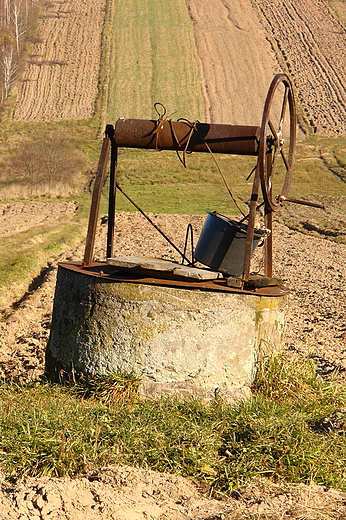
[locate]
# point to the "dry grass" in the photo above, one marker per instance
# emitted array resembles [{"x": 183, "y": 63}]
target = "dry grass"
[{"x": 57, "y": 430}]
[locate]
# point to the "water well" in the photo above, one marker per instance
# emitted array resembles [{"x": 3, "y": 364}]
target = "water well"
[{"x": 183, "y": 328}]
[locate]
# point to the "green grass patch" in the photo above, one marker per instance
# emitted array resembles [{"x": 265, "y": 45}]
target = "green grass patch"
[
  {"x": 153, "y": 59},
  {"x": 24, "y": 254},
  {"x": 159, "y": 182},
  {"x": 337, "y": 11},
  {"x": 62, "y": 430}
]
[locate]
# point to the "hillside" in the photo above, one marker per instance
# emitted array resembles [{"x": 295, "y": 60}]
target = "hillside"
[
  {"x": 248, "y": 41},
  {"x": 238, "y": 48}
]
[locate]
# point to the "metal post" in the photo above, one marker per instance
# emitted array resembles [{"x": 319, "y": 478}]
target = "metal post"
[
  {"x": 250, "y": 227},
  {"x": 268, "y": 251},
  {"x": 95, "y": 202},
  {"x": 112, "y": 197},
  {"x": 268, "y": 222}
]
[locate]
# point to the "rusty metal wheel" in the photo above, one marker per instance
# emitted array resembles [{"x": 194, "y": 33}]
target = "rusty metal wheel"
[{"x": 277, "y": 142}]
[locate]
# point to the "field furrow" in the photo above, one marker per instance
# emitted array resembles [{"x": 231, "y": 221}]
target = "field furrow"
[
  {"x": 236, "y": 61},
  {"x": 313, "y": 44},
  {"x": 60, "y": 80},
  {"x": 210, "y": 61}
]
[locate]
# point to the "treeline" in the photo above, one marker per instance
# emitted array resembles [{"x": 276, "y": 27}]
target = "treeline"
[{"x": 17, "y": 23}]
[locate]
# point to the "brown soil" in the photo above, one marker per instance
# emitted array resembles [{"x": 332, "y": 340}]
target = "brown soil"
[
  {"x": 236, "y": 61},
  {"x": 60, "y": 81},
  {"x": 240, "y": 46},
  {"x": 25, "y": 215},
  {"x": 312, "y": 42},
  {"x": 136, "y": 494},
  {"x": 315, "y": 270},
  {"x": 313, "y": 267}
]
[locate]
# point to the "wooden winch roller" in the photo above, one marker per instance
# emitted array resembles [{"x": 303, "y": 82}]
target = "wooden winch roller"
[{"x": 274, "y": 150}]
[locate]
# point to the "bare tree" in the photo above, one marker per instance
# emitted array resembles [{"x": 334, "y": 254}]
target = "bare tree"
[
  {"x": 17, "y": 19},
  {"x": 49, "y": 161},
  {"x": 19, "y": 22},
  {"x": 5, "y": 9},
  {"x": 9, "y": 67}
]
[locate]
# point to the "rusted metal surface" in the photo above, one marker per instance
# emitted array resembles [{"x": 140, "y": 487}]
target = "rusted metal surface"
[
  {"x": 185, "y": 136},
  {"x": 268, "y": 246},
  {"x": 275, "y": 152},
  {"x": 303, "y": 202},
  {"x": 250, "y": 228},
  {"x": 95, "y": 202},
  {"x": 268, "y": 221},
  {"x": 107, "y": 273},
  {"x": 272, "y": 141},
  {"x": 112, "y": 196}
]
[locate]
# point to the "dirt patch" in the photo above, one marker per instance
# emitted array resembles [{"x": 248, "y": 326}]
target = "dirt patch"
[
  {"x": 315, "y": 270},
  {"x": 236, "y": 61},
  {"x": 111, "y": 493},
  {"x": 240, "y": 46},
  {"x": 137, "y": 494},
  {"x": 21, "y": 216},
  {"x": 313, "y": 267}
]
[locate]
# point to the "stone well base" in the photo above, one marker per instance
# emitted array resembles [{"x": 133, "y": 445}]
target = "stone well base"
[{"x": 177, "y": 340}]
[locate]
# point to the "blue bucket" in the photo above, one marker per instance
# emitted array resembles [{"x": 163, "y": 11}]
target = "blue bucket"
[{"x": 221, "y": 245}]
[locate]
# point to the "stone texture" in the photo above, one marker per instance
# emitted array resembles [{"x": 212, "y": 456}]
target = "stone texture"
[
  {"x": 196, "y": 341},
  {"x": 156, "y": 264}
]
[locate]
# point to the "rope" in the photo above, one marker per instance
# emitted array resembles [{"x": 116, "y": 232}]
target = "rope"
[
  {"x": 153, "y": 224},
  {"x": 161, "y": 112},
  {"x": 194, "y": 128},
  {"x": 159, "y": 122}
]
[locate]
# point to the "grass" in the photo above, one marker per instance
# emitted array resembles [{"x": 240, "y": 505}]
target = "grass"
[
  {"x": 57, "y": 430},
  {"x": 153, "y": 60},
  {"x": 72, "y": 153},
  {"x": 25, "y": 254},
  {"x": 158, "y": 181},
  {"x": 336, "y": 11}
]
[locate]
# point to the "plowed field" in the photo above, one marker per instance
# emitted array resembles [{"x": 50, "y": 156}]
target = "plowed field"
[
  {"x": 236, "y": 60},
  {"x": 238, "y": 45},
  {"x": 313, "y": 44},
  {"x": 61, "y": 77},
  {"x": 315, "y": 325},
  {"x": 241, "y": 44}
]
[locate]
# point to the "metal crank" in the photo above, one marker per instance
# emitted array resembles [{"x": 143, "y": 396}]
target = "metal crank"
[{"x": 276, "y": 157}]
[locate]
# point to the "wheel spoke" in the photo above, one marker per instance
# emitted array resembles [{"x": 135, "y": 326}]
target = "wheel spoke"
[
  {"x": 273, "y": 161},
  {"x": 284, "y": 106},
  {"x": 273, "y": 131},
  {"x": 276, "y": 146},
  {"x": 274, "y": 141},
  {"x": 287, "y": 166}
]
